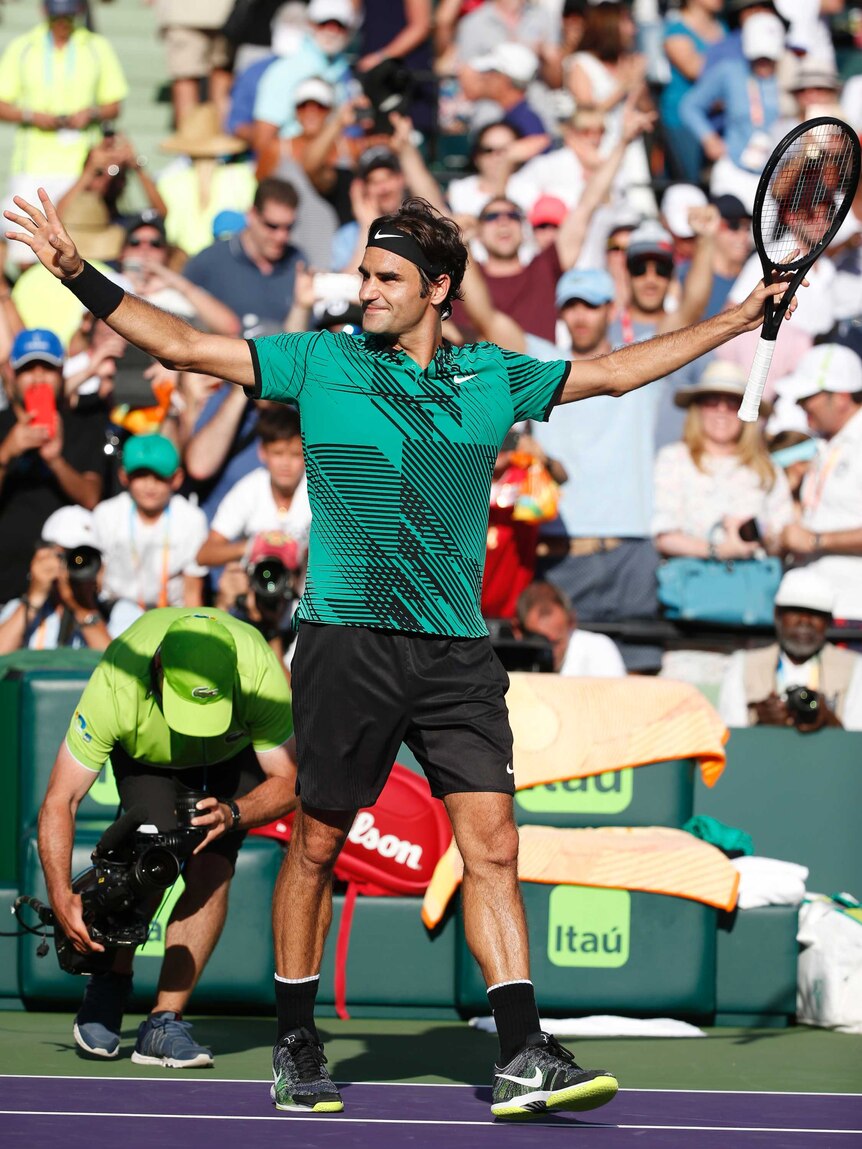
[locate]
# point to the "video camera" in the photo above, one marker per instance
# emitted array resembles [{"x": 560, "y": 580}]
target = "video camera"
[{"x": 130, "y": 865}]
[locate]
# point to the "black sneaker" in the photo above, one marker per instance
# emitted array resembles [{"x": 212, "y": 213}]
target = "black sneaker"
[
  {"x": 545, "y": 1078},
  {"x": 100, "y": 1019},
  {"x": 299, "y": 1079}
]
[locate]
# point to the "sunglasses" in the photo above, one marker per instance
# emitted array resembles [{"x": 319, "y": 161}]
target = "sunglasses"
[
  {"x": 737, "y": 224},
  {"x": 141, "y": 241},
  {"x": 486, "y": 150},
  {"x": 661, "y": 267},
  {"x": 545, "y": 226},
  {"x": 492, "y": 216},
  {"x": 719, "y": 400},
  {"x": 276, "y": 226}
]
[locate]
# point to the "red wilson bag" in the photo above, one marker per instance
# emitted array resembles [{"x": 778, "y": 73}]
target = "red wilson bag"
[{"x": 393, "y": 848}]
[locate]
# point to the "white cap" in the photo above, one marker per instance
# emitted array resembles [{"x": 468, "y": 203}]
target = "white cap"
[
  {"x": 763, "y": 37},
  {"x": 826, "y": 367},
  {"x": 314, "y": 89},
  {"x": 70, "y": 527},
  {"x": 805, "y": 590},
  {"x": 516, "y": 61},
  {"x": 676, "y": 203},
  {"x": 319, "y": 11}
]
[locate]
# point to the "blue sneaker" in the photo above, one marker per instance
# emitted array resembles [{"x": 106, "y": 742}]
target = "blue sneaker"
[
  {"x": 100, "y": 1019},
  {"x": 165, "y": 1040}
]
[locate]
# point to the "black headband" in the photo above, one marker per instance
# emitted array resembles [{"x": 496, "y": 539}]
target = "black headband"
[{"x": 401, "y": 243}]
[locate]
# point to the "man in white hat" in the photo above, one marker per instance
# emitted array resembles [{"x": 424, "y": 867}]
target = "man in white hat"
[
  {"x": 61, "y": 606},
  {"x": 801, "y": 680},
  {"x": 828, "y": 388}
]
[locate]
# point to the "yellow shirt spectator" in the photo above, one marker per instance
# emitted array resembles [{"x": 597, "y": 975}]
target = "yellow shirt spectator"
[{"x": 38, "y": 76}]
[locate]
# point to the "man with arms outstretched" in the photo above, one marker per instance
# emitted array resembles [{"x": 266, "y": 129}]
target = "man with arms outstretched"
[{"x": 400, "y": 435}]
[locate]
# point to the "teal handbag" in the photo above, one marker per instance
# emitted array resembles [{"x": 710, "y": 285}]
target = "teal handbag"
[{"x": 707, "y": 590}]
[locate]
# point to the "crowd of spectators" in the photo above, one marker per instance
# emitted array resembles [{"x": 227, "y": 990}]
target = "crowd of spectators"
[{"x": 601, "y": 158}]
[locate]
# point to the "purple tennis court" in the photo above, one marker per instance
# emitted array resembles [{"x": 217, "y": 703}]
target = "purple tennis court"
[{"x": 77, "y": 1111}]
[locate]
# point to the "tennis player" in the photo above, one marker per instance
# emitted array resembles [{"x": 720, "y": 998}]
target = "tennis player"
[{"x": 400, "y": 434}]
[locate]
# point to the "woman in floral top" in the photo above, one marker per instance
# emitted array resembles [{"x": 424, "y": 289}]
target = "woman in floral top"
[{"x": 718, "y": 477}]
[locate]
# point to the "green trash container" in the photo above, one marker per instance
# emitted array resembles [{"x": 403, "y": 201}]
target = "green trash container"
[
  {"x": 609, "y": 951},
  {"x": 394, "y": 965},
  {"x": 661, "y": 794},
  {"x": 756, "y": 953}
]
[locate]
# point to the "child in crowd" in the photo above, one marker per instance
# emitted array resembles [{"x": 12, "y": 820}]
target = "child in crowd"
[
  {"x": 149, "y": 535},
  {"x": 265, "y": 514}
]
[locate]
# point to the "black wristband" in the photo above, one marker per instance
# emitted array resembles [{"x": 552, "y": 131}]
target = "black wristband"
[
  {"x": 237, "y": 817},
  {"x": 100, "y": 295}
]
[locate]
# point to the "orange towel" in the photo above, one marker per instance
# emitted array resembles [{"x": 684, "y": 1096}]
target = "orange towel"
[
  {"x": 655, "y": 859},
  {"x": 572, "y": 727}
]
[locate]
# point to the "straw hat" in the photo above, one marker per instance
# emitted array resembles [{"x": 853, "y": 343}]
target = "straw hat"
[
  {"x": 719, "y": 378},
  {"x": 88, "y": 223},
  {"x": 200, "y": 136}
]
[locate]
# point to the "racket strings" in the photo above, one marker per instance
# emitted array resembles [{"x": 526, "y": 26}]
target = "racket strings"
[{"x": 806, "y": 193}]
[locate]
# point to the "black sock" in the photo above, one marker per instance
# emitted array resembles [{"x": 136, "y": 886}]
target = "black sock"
[
  {"x": 513, "y": 1004},
  {"x": 294, "y": 1005}
]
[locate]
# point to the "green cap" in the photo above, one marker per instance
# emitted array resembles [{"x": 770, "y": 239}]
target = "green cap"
[
  {"x": 150, "y": 453},
  {"x": 198, "y": 658}
]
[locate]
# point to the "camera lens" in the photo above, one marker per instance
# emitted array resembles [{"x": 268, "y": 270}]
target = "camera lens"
[
  {"x": 186, "y": 806},
  {"x": 83, "y": 563},
  {"x": 156, "y": 869}
]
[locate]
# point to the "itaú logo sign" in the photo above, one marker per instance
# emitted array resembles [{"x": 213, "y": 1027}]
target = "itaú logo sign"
[{"x": 364, "y": 832}]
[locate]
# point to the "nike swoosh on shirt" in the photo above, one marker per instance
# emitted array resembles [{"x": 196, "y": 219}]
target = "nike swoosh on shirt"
[
  {"x": 463, "y": 378},
  {"x": 536, "y": 1079},
  {"x": 509, "y": 769},
  {"x": 386, "y": 235}
]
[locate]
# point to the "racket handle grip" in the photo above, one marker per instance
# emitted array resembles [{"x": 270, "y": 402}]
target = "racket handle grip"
[{"x": 749, "y": 408}]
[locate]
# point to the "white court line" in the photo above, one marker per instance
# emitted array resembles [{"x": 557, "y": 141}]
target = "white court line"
[
  {"x": 396, "y": 1084},
  {"x": 415, "y": 1121}
]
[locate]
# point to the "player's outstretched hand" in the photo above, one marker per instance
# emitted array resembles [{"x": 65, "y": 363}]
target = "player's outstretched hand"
[
  {"x": 45, "y": 235},
  {"x": 752, "y": 309}
]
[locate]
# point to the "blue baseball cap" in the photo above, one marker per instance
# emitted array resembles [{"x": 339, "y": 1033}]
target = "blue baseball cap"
[
  {"x": 36, "y": 346},
  {"x": 64, "y": 7},
  {"x": 593, "y": 286},
  {"x": 228, "y": 222}
]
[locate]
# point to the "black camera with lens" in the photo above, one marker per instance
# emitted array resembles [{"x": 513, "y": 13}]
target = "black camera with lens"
[
  {"x": 131, "y": 866},
  {"x": 803, "y": 705},
  {"x": 271, "y": 580},
  {"x": 83, "y": 563}
]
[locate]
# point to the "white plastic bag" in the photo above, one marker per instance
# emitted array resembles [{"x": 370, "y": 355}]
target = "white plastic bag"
[{"x": 829, "y": 972}]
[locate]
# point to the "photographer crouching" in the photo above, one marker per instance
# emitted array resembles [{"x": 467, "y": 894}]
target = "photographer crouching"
[
  {"x": 802, "y": 680},
  {"x": 188, "y": 702}
]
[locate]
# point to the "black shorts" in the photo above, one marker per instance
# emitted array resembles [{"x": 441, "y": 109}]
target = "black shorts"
[
  {"x": 359, "y": 693},
  {"x": 155, "y": 788}
]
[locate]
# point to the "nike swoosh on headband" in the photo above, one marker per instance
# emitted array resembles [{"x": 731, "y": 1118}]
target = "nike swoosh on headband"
[
  {"x": 387, "y": 235},
  {"x": 536, "y": 1079}
]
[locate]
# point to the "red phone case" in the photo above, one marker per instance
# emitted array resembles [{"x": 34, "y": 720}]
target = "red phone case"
[{"x": 41, "y": 402}]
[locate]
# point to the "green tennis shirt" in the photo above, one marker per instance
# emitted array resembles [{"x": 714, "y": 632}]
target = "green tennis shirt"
[
  {"x": 120, "y": 708},
  {"x": 399, "y": 463}
]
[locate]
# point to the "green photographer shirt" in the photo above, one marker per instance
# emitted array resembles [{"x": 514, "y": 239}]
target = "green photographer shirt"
[
  {"x": 399, "y": 463},
  {"x": 119, "y": 707}
]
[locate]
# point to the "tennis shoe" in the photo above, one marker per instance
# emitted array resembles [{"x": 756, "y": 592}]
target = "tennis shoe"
[
  {"x": 163, "y": 1039},
  {"x": 100, "y": 1018},
  {"x": 300, "y": 1081},
  {"x": 545, "y": 1078}
]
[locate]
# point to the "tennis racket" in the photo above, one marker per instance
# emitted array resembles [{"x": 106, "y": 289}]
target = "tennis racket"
[{"x": 803, "y": 197}]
